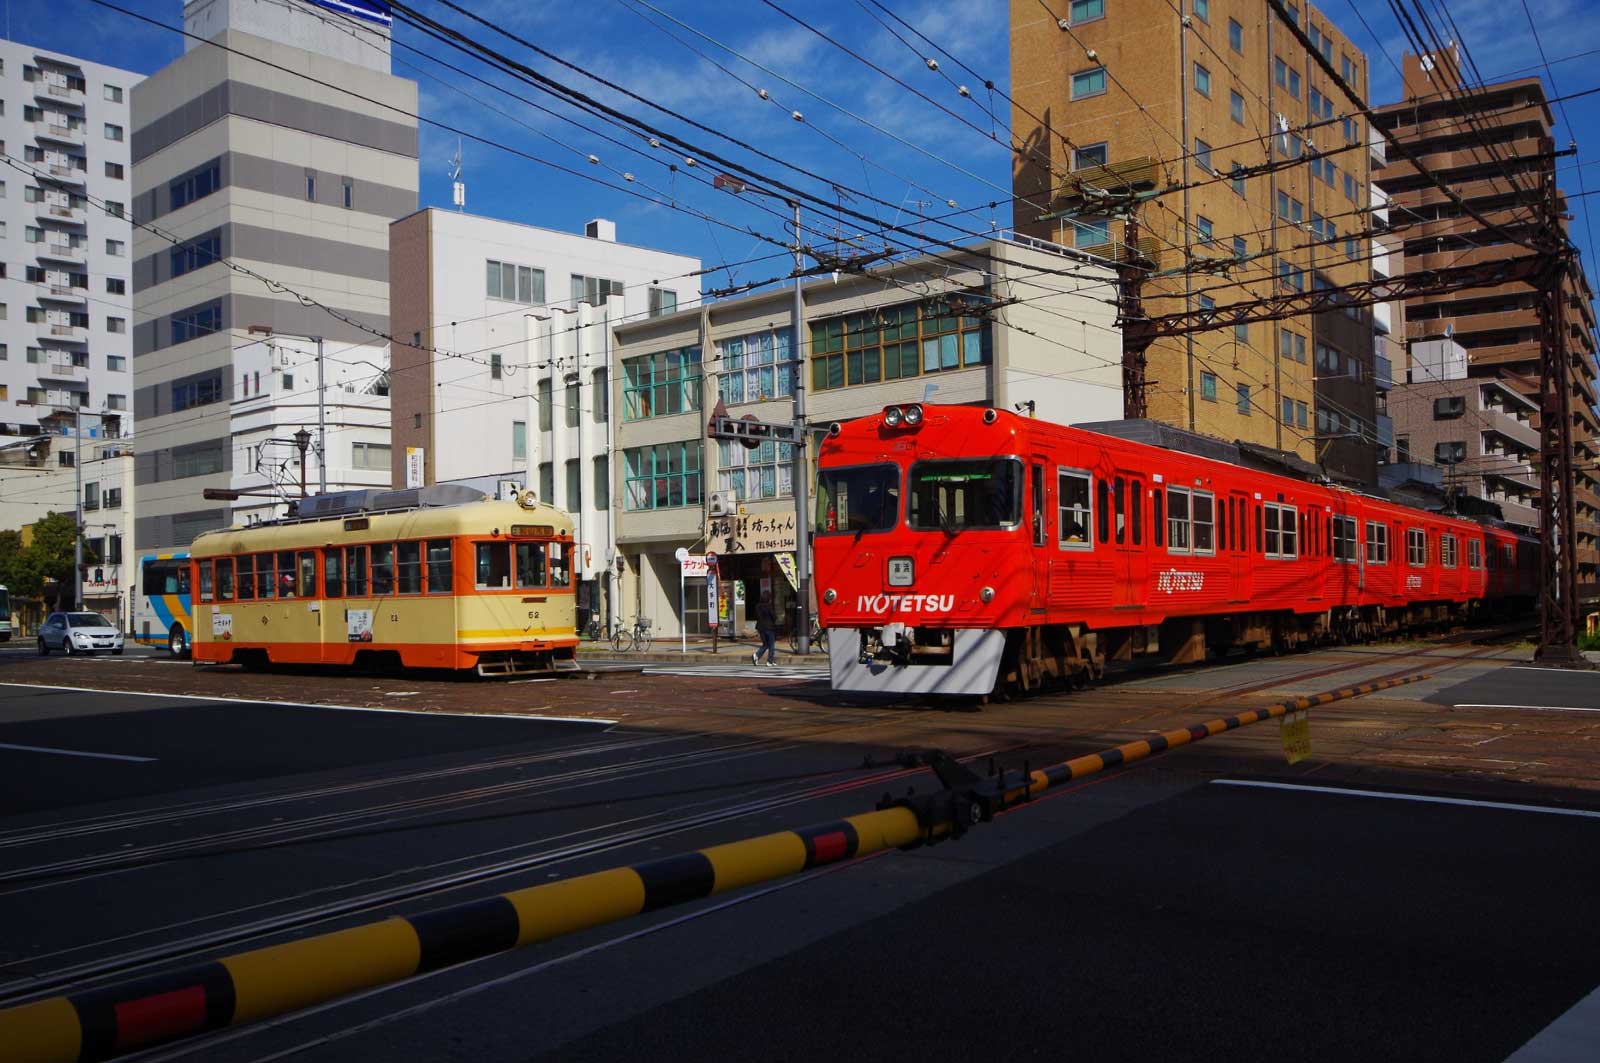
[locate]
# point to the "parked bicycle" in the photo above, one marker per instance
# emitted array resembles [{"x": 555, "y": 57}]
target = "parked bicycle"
[
  {"x": 634, "y": 638},
  {"x": 819, "y": 638},
  {"x": 595, "y": 629}
]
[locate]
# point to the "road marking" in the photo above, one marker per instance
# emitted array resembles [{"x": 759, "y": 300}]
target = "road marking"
[
  {"x": 1339, "y": 791},
  {"x": 314, "y": 705},
  {"x": 1545, "y": 708},
  {"x": 401, "y": 693},
  {"x": 77, "y": 753},
  {"x": 1573, "y": 1038}
]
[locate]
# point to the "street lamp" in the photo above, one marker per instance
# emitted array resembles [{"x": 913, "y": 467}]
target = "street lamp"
[
  {"x": 302, "y": 440},
  {"x": 802, "y": 552},
  {"x": 322, "y": 414}
]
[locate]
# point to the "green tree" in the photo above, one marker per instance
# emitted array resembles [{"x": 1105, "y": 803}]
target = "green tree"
[{"x": 48, "y": 558}]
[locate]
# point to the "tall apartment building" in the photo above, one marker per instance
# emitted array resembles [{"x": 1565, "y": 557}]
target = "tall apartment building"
[
  {"x": 1493, "y": 145},
  {"x": 65, "y": 339},
  {"x": 1217, "y": 87},
  {"x": 895, "y": 335},
  {"x": 280, "y": 142},
  {"x": 531, "y": 313}
]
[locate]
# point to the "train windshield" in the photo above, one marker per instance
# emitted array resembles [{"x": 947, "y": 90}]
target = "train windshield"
[
  {"x": 862, "y": 499},
  {"x": 952, "y": 496}
]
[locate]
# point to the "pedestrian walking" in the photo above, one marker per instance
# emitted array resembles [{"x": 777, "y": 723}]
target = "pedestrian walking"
[{"x": 767, "y": 628}]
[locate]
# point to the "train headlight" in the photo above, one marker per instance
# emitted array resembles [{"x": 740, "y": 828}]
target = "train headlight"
[
  {"x": 892, "y": 417},
  {"x": 830, "y": 596},
  {"x": 986, "y": 595},
  {"x": 913, "y": 415}
]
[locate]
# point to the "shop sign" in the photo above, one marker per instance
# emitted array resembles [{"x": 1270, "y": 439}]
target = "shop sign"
[{"x": 752, "y": 533}]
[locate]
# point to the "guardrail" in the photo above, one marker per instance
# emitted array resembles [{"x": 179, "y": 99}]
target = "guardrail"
[{"x": 250, "y": 986}]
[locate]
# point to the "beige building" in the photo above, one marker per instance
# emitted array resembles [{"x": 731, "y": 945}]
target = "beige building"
[
  {"x": 1219, "y": 86},
  {"x": 899, "y": 334}
]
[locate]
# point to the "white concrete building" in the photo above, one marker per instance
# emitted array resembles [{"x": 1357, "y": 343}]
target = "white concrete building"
[
  {"x": 901, "y": 333},
  {"x": 510, "y": 369},
  {"x": 64, "y": 313}
]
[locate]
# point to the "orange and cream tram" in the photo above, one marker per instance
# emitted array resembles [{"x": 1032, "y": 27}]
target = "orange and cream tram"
[{"x": 435, "y": 577}]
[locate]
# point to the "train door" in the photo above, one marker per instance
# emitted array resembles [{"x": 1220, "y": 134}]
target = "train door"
[
  {"x": 1038, "y": 525},
  {"x": 1128, "y": 532},
  {"x": 1241, "y": 539}
]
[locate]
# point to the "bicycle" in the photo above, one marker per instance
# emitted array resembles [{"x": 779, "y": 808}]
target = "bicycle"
[
  {"x": 819, "y": 638},
  {"x": 594, "y": 629},
  {"x": 635, "y": 638}
]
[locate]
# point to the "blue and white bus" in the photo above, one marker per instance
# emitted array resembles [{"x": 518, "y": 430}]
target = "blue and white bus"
[{"x": 162, "y": 606}]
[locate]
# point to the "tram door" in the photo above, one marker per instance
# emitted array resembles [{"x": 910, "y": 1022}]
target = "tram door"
[
  {"x": 1242, "y": 539},
  {"x": 1039, "y": 532},
  {"x": 1128, "y": 532}
]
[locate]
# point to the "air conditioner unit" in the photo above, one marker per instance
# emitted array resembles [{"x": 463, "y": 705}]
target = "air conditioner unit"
[{"x": 724, "y": 503}]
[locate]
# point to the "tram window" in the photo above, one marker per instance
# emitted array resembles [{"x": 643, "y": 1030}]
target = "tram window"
[
  {"x": 308, "y": 574},
  {"x": 1158, "y": 525},
  {"x": 286, "y": 574},
  {"x": 247, "y": 577},
  {"x": 494, "y": 565},
  {"x": 1474, "y": 553},
  {"x": 1222, "y": 526},
  {"x": 1073, "y": 515},
  {"x": 1103, "y": 502},
  {"x": 1119, "y": 491},
  {"x": 382, "y": 568},
  {"x": 408, "y": 557},
  {"x": 224, "y": 579},
  {"x": 1037, "y": 486},
  {"x": 560, "y": 565},
  {"x": 1204, "y": 506},
  {"x": 531, "y": 565},
  {"x": 1178, "y": 520},
  {"x": 266, "y": 586},
  {"x": 355, "y": 571},
  {"x": 439, "y": 567},
  {"x": 205, "y": 581},
  {"x": 332, "y": 573},
  {"x": 1260, "y": 543},
  {"x": 1138, "y": 511}
]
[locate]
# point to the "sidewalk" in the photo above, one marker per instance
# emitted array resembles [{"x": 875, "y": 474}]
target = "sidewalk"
[{"x": 669, "y": 651}]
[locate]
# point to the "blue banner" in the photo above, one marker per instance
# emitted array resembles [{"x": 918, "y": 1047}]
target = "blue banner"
[{"x": 370, "y": 10}]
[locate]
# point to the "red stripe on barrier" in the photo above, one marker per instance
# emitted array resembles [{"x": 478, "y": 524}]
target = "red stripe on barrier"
[
  {"x": 156, "y": 1018},
  {"x": 830, "y": 847}
]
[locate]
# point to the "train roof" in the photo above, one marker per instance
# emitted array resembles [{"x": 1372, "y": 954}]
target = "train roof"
[{"x": 440, "y": 510}]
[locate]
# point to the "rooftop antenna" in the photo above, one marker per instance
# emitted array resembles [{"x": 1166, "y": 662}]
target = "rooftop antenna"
[{"x": 458, "y": 187}]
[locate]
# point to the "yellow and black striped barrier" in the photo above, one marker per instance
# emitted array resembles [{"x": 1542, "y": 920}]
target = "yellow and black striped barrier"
[{"x": 249, "y": 986}]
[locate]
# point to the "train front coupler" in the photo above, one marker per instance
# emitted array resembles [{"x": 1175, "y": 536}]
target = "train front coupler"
[{"x": 890, "y": 643}]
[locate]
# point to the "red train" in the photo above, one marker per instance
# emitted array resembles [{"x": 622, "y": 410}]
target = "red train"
[{"x": 965, "y": 550}]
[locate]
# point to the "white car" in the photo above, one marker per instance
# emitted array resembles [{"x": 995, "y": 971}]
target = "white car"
[{"x": 79, "y": 633}]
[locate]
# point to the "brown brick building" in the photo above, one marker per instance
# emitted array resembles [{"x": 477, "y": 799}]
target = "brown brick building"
[
  {"x": 1222, "y": 85},
  {"x": 1494, "y": 146}
]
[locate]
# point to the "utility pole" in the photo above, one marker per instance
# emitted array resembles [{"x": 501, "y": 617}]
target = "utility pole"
[
  {"x": 322, "y": 428},
  {"x": 1558, "y": 579},
  {"x": 802, "y": 525},
  {"x": 1130, "y": 312},
  {"x": 77, "y": 509}
]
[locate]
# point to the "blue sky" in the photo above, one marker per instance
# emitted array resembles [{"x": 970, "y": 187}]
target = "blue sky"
[{"x": 891, "y": 146}]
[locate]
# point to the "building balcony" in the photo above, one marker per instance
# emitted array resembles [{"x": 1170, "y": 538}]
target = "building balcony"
[
  {"x": 64, "y": 369},
  {"x": 62, "y": 293},
  {"x": 61, "y": 213},
  {"x": 71, "y": 175},
  {"x": 59, "y": 132},
  {"x": 53, "y": 93},
  {"x": 55, "y": 332},
  {"x": 1382, "y": 373},
  {"x": 60, "y": 251}
]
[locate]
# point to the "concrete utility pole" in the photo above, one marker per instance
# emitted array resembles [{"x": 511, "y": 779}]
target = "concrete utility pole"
[
  {"x": 77, "y": 509},
  {"x": 1559, "y": 615},
  {"x": 802, "y": 465}
]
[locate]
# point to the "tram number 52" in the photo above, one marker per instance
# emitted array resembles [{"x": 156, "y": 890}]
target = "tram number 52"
[
  {"x": 394, "y": 618},
  {"x": 533, "y": 614}
]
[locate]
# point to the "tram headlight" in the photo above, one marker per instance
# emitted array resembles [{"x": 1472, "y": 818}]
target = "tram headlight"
[
  {"x": 913, "y": 415},
  {"x": 986, "y": 595},
  {"x": 892, "y": 417},
  {"x": 830, "y": 596}
]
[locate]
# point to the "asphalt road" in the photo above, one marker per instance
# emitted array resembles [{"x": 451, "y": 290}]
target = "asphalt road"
[
  {"x": 1526, "y": 689},
  {"x": 1153, "y": 912}
]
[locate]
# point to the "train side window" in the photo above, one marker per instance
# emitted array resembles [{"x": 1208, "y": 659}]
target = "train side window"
[
  {"x": 247, "y": 578},
  {"x": 439, "y": 567},
  {"x": 1416, "y": 547},
  {"x": 560, "y": 565},
  {"x": 382, "y": 568},
  {"x": 355, "y": 571},
  {"x": 1377, "y": 543},
  {"x": 266, "y": 580},
  {"x": 1222, "y": 526},
  {"x": 1120, "y": 493},
  {"x": 1137, "y": 490},
  {"x": 493, "y": 566},
  {"x": 1178, "y": 520},
  {"x": 286, "y": 574},
  {"x": 1074, "y": 516},
  {"x": 332, "y": 573},
  {"x": 1474, "y": 553},
  {"x": 1281, "y": 539},
  {"x": 224, "y": 579},
  {"x": 408, "y": 567},
  {"x": 1204, "y": 507},
  {"x": 1447, "y": 552},
  {"x": 531, "y": 567},
  {"x": 1102, "y": 502},
  {"x": 308, "y": 573},
  {"x": 1345, "y": 546},
  {"x": 1158, "y": 523},
  {"x": 1260, "y": 542},
  {"x": 205, "y": 581},
  {"x": 1036, "y": 485}
]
